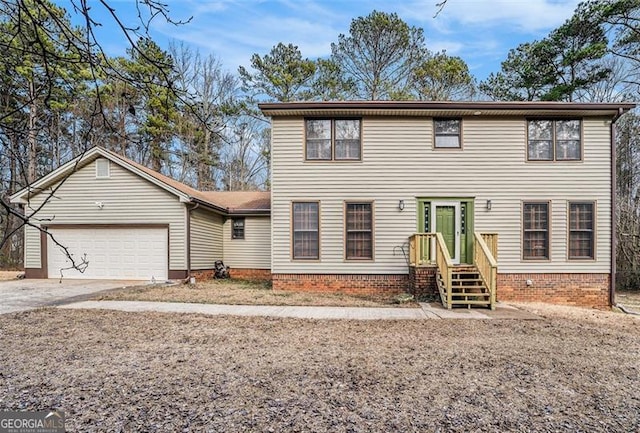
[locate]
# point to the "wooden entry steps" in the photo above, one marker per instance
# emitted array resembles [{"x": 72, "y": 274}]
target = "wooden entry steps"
[{"x": 467, "y": 288}]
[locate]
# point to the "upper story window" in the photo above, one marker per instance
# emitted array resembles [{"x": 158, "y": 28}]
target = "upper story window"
[
  {"x": 237, "y": 230},
  {"x": 535, "y": 231},
  {"x": 554, "y": 140},
  {"x": 447, "y": 133},
  {"x": 102, "y": 168},
  {"x": 333, "y": 140}
]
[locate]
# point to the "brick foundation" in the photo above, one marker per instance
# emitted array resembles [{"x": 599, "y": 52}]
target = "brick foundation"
[
  {"x": 585, "y": 290},
  {"x": 250, "y": 274},
  {"x": 422, "y": 281},
  {"x": 244, "y": 274},
  {"x": 202, "y": 274},
  {"x": 353, "y": 284}
]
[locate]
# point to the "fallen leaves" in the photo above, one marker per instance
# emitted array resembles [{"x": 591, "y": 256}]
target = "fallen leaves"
[{"x": 121, "y": 372}]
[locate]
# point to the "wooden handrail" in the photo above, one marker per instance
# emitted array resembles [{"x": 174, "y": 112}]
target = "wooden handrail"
[
  {"x": 484, "y": 259},
  {"x": 491, "y": 239},
  {"x": 431, "y": 249},
  {"x": 445, "y": 265},
  {"x": 420, "y": 249}
]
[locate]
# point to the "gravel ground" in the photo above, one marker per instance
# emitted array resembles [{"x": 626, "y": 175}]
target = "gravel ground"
[
  {"x": 242, "y": 292},
  {"x": 576, "y": 370}
]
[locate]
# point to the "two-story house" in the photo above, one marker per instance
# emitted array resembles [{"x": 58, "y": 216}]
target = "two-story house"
[
  {"x": 378, "y": 196},
  {"x": 469, "y": 200}
]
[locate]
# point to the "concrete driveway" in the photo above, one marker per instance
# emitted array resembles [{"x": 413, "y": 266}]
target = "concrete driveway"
[{"x": 23, "y": 295}]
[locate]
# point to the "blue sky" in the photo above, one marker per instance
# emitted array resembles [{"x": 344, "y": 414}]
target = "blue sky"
[{"x": 479, "y": 31}]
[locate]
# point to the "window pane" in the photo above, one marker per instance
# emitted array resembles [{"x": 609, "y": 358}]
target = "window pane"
[
  {"x": 568, "y": 150},
  {"x": 359, "y": 216},
  {"x": 306, "y": 243},
  {"x": 540, "y": 140},
  {"x": 319, "y": 149},
  {"x": 347, "y": 139},
  {"x": 581, "y": 216},
  {"x": 540, "y": 150},
  {"x": 540, "y": 130},
  {"x": 318, "y": 139},
  {"x": 359, "y": 245},
  {"x": 535, "y": 245},
  {"x": 581, "y": 245},
  {"x": 348, "y": 129},
  {"x": 359, "y": 231},
  {"x": 318, "y": 129},
  {"x": 448, "y": 127},
  {"x": 347, "y": 149},
  {"x": 536, "y": 216},
  {"x": 447, "y": 141},
  {"x": 305, "y": 216},
  {"x": 568, "y": 130}
]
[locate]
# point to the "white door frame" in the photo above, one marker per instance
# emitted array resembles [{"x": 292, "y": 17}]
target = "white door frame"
[{"x": 455, "y": 256}]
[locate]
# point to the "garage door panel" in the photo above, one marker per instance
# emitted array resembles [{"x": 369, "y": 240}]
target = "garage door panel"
[{"x": 112, "y": 253}]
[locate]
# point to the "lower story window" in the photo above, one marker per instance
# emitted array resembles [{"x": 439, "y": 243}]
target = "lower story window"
[
  {"x": 535, "y": 231},
  {"x": 581, "y": 230},
  {"x": 359, "y": 231},
  {"x": 306, "y": 230}
]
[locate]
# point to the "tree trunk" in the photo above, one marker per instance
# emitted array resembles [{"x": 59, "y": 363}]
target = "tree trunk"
[
  {"x": 156, "y": 157},
  {"x": 204, "y": 170},
  {"x": 32, "y": 142}
]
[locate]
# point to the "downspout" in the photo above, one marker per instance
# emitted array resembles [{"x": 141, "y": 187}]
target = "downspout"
[
  {"x": 614, "y": 234},
  {"x": 189, "y": 210}
]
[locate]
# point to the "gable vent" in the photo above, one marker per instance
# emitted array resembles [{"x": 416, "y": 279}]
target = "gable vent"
[{"x": 102, "y": 168}]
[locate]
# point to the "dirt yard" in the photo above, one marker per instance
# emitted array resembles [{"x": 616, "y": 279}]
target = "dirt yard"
[
  {"x": 575, "y": 370},
  {"x": 241, "y": 292}
]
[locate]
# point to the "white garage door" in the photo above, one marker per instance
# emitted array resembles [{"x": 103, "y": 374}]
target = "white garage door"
[{"x": 112, "y": 253}]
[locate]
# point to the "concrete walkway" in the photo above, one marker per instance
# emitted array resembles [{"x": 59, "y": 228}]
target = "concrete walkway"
[
  {"x": 427, "y": 311},
  {"x": 24, "y": 295}
]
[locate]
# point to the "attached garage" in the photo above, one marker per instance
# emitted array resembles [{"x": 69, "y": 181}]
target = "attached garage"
[
  {"x": 133, "y": 223},
  {"x": 131, "y": 253}
]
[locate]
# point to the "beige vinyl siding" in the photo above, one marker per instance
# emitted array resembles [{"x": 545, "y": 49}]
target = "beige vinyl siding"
[
  {"x": 206, "y": 239},
  {"x": 252, "y": 252},
  {"x": 127, "y": 199},
  {"x": 398, "y": 162}
]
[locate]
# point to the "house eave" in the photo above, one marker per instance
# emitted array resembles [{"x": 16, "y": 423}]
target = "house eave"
[
  {"x": 250, "y": 212},
  {"x": 443, "y": 108}
]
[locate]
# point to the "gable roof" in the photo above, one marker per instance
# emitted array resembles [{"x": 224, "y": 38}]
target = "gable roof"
[
  {"x": 227, "y": 202},
  {"x": 444, "y": 108}
]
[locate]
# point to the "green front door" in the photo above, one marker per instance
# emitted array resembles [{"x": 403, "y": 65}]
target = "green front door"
[
  {"x": 446, "y": 224},
  {"x": 453, "y": 217}
]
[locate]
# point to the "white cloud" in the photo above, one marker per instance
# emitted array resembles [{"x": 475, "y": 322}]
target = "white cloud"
[
  {"x": 479, "y": 31},
  {"x": 235, "y": 37},
  {"x": 530, "y": 16},
  {"x": 453, "y": 48}
]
